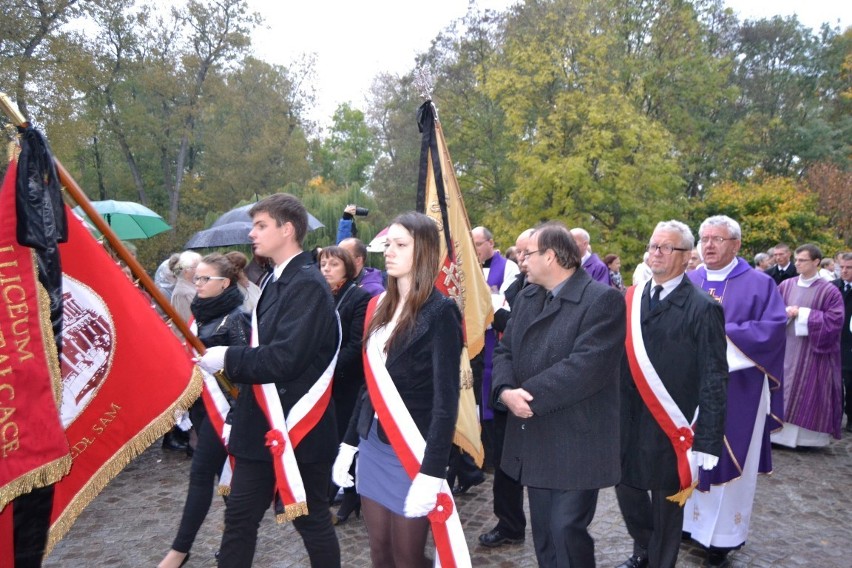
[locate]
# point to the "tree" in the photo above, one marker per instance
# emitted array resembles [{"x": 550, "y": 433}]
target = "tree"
[
  {"x": 347, "y": 155},
  {"x": 833, "y": 187},
  {"x": 769, "y": 210}
]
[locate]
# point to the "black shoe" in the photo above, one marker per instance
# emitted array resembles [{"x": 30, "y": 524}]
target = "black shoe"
[
  {"x": 717, "y": 557},
  {"x": 351, "y": 504},
  {"x": 635, "y": 561},
  {"x": 172, "y": 444},
  {"x": 463, "y": 488},
  {"x": 495, "y": 538},
  {"x": 849, "y": 424}
]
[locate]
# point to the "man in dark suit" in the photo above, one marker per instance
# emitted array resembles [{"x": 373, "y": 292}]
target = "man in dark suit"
[
  {"x": 844, "y": 284},
  {"x": 296, "y": 340},
  {"x": 677, "y": 368},
  {"x": 556, "y": 370},
  {"x": 783, "y": 268}
]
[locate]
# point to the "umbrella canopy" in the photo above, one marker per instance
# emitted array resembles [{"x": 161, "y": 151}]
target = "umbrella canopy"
[
  {"x": 127, "y": 219},
  {"x": 378, "y": 242},
  {"x": 240, "y": 214},
  {"x": 236, "y": 233}
]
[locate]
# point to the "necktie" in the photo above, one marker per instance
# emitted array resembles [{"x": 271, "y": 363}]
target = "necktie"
[{"x": 655, "y": 297}]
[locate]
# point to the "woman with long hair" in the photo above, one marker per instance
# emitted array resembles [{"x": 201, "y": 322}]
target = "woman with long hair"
[
  {"x": 338, "y": 269},
  {"x": 218, "y": 319},
  {"x": 613, "y": 263},
  {"x": 412, "y": 352}
]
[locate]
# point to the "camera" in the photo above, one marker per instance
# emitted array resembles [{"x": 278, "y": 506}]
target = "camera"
[{"x": 362, "y": 211}]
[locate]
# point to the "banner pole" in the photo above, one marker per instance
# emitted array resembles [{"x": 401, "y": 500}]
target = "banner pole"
[{"x": 79, "y": 197}]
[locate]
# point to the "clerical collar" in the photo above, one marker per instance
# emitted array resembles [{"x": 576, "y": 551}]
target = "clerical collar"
[
  {"x": 487, "y": 263},
  {"x": 668, "y": 285},
  {"x": 802, "y": 283},
  {"x": 721, "y": 274},
  {"x": 585, "y": 257}
]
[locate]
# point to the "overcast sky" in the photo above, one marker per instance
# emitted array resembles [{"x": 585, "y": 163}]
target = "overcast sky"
[{"x": 355, "y": 41}]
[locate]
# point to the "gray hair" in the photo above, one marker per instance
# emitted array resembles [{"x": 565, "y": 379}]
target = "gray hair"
[
  {"x": 485, "y": 233},
  {"x": 188, "y": 259},
  {"x": 582, "y": 233},
  {"x": 760, "y": 257},
  {"x": 722, "y": 221},
  {"x": 687, "y": 239}
]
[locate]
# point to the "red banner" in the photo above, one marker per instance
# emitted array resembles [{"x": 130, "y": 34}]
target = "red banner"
[
  {"x": 33, "y": 449},
  {"x": 124, "y": 374}
]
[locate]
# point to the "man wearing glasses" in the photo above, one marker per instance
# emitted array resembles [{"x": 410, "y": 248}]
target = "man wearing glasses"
[
  {"x": 673, "y": 393},
  {"x": 718, "y": 513},
  {"x": 813, "y": 390},
  {"x": 556, "y": 371}
]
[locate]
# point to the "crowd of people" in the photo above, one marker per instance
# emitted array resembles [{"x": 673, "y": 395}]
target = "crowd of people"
[{"x": 346, "y": 386}]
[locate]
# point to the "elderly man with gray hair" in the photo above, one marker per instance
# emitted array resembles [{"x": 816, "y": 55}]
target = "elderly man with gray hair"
[
  {"x": 184, "y": 290},
  {"x": 718, "y": 513},
  {"x": 674, "y": 371},
  {"x": 590, "y": 262}
]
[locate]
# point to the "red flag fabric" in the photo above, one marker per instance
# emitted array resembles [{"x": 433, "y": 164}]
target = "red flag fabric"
[
  {"x": 33, "y": 449},
  {"x": 124, "y": 374}
]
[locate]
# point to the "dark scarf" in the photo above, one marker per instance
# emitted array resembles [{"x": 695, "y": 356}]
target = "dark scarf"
[{"x": 206, "y": 309}]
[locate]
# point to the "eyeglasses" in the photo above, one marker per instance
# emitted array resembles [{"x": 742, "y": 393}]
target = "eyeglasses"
[
  {"x": 532, "y": 252},
  {"x": 715, "y": 240},
  {"x": 665, "y": 249},
  {"x": 798, "y": 260},
  {"x": 205, "y": 279}
]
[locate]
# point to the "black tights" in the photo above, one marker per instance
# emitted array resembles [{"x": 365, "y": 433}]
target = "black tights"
[{"x": 395, "y": 541}]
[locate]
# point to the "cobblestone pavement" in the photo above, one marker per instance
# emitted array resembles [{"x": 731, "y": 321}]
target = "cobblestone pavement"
[{"x": 802, "y": 517}]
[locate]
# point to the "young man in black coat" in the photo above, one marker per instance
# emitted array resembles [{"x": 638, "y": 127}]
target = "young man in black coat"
[
  {"x": 676, "y": 356},
  {"x": 297, "y": 336}
]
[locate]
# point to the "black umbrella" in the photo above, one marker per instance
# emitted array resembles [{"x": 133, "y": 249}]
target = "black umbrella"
[
  {"x": 240, "y": 215},
  {"x": 221, "y": 236}
]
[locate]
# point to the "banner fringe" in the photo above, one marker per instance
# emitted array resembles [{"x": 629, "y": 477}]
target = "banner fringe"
[
  {"x": 153, "y": 432},
  {"x": 223, "y": 490},
  {"x": 43, "y": 476},
  {"x": 292, "y": 511},
  {"x": 50, "y": 353}
]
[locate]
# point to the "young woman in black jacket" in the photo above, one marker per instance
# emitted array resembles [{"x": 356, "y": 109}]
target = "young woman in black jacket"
[{"x": 218, "y": 319}]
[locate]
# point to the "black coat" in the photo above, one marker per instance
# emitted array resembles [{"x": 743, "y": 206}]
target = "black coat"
[
  {"x": 297, "y": 334},
  {"x": 425, "y": 370},
  {"x": 567, "y": 354},
  {"x": 845, "y": 333},
  {"x": 781, "y": 275},
  {"x": 684, "y": 337},
  {"x": 349, "y": 373}
]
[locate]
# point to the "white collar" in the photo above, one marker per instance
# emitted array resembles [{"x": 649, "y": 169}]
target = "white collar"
[
  {"x": 721, "y": 274},
  {"x": 802, "y": 283},
  {"x": 276, "y": 272},
  {"x": 585, "y": 257},
  {"x": 668, "y": 286}
]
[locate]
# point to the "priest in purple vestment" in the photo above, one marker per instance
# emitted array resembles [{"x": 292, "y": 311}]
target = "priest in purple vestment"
[
  {"x": 718, "y": 513},
  {"x": 813, "y": 391},
  {"x": 590, "y": 262}
]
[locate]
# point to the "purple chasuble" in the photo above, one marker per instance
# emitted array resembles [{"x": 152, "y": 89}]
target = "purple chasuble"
[
  {"x": 813, "y": 390},
  {"x": 496, "y": 271},
  {"x": 755, "y": 320},
  {"x": 597, "y": 269}
]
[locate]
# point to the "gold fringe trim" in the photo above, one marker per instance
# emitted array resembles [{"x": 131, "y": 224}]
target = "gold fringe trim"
[
  {"x": 681, "y": 496},
  {"x": 291, "y": 512},
  {"x": 42, "y": 476},
  {"x": 223, "y": 490},
  {"x": 135, "y": 446},
  {"x": 48, "y": 341},
  {"x": 478, "y": 454}
]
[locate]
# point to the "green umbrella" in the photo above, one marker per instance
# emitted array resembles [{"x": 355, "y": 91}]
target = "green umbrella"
[{"x": 127, "y": 219}]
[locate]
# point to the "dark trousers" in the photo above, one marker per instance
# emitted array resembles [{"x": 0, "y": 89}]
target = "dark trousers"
[
  {"x": 31, "y": 521},
  {"x": 508, "y": 493},
  {"x": 654, "y": 523},
  {"x": 461, "y": 467},
  {"x": 560, "y": 522},
  {"x": 252, "y": 490},
  {"x": 207, "y": 462},
  {"x": 847, "y": 385}
]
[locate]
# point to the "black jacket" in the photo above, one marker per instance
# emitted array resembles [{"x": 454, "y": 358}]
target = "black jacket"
[
  {"x": 349, "y": 373},
  {"x": 781, "y": 275},
  {"x": 684, "y": 337},
  {"x": 297, "y": 332},
  {"x": 845, "y": 333},
  {"x": 425, "y": 370}
]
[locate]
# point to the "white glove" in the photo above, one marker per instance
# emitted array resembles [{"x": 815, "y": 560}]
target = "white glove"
[
  {"x": 340, "y": 469},
  {"x": 213, "y": 359},
  {"x": 422, "y": 496},
  {"x": 705, "y": 461}
]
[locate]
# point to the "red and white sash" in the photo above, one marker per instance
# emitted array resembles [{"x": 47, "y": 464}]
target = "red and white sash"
[
  {"x": 286, "y": 433},
  {"x": 409, "y": 446},
  {"x": 217, "y": 407},
  {"x": 658, "y": 400}
]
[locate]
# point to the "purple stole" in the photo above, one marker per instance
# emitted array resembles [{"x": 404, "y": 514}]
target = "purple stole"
[{"x": 495, "y": 279}]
